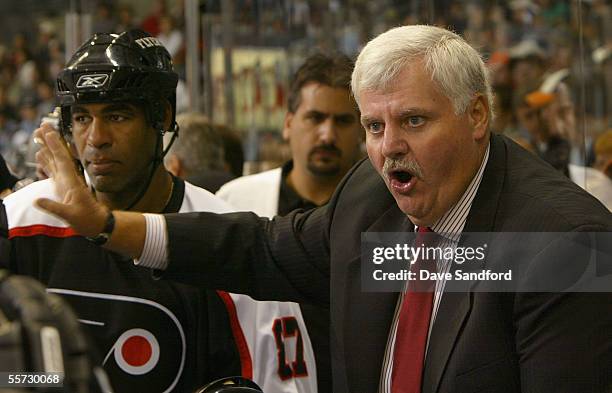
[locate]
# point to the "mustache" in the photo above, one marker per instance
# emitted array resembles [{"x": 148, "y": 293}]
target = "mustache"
[
  {"x": 325, "y": 148},
  {"x": 404, "y": 164}
]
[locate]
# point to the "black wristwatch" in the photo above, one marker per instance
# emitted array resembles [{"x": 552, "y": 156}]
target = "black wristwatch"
[{"x": 101, "y": 238}]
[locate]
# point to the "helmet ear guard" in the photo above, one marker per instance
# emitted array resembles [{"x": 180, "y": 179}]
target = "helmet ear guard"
[{"x": 155, "y": 113}]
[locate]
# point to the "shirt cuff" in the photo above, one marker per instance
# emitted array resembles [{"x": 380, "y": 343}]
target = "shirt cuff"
[{"x": 155, "y": 251}]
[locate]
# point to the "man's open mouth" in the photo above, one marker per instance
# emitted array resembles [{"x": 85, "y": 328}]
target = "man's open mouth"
[{"x": 400, "y": 176}]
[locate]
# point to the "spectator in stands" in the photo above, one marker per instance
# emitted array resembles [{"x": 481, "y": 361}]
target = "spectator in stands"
[
  {"x": 598, "y": 180},
  {"x": 534, "y": 114},
  {"x": 5, "y": 106},
  {"x": 151, "y": 22},
  {"x": 527, "y": 63},
  {"x": 104, "y": 19},
  {"x": 169, "y": 35},
  {"x": 25, "y": 69},
  {"x": 8, "y": 126},
  {"x": 28, "y": 111},
  {"x": 46, "y": 98},
  {"x": 125, "y": 15}
]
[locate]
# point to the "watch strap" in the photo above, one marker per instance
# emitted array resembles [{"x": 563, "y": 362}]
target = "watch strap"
[{"x": 101, "y": 238}]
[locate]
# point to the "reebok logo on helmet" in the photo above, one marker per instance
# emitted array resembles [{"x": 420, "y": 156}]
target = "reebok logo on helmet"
[{"x": 92, "y": 80}]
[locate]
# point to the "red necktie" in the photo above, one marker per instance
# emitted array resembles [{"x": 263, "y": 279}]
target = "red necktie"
[{"x": 413, "y": 325}]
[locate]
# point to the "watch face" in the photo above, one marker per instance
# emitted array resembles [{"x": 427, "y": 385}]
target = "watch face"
[{"x": 99, "y": 239}]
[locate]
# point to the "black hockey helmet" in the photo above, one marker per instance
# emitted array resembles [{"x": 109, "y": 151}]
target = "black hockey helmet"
[
  {"x": 231, "y": 385},
  {"x": 128, "y": 67}
]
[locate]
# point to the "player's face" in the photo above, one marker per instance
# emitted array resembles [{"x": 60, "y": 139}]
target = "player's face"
[
  {"x": 324, "y": 132},
  {"x": 114, "y": 144},
  {"x": 426, "y": 153}
]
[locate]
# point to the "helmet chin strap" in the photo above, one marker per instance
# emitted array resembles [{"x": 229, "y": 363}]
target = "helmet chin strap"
[
  {"x": 158, "y": 159},
  {"x": 155, "y": 162}
]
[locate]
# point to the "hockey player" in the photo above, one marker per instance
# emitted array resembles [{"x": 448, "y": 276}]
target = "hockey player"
[{"x": 117, "y": 99}]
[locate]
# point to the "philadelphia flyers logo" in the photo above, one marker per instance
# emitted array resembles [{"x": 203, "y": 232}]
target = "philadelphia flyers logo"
[
  {"x": 136, "y": 351},
  {"x": 143, "y": 342}
]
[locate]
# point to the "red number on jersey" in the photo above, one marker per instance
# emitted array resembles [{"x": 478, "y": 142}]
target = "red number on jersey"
[{"x": 286, "y": 328}]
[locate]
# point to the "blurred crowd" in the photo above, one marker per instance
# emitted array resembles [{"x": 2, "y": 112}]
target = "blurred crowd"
[
  {"x": 28, "y": 68},
  {"x": 550, "y": 60}
]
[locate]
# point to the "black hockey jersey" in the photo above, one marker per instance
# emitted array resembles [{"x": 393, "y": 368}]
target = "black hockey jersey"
[{"x": 151, "y": 335}]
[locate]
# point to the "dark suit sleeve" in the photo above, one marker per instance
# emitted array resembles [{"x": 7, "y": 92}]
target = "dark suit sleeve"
[
  {"x": 564, "y": 342},
  {"x": 564, "y": 335},
  {"x": 286, "y": 258}
]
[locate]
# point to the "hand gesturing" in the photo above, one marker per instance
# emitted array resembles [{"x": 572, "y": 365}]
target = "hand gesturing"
[{"x": 78, "y": 206}]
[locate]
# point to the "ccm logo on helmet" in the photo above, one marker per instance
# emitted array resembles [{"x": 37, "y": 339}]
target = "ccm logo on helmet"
[
  {"x": 93, "y": 80},
  {"x": 148, "y": 42}
]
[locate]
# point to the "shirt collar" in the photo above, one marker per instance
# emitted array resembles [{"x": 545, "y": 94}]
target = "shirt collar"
[
  {"x": 451, "y": 224},
  {"x": 288, "y": 198}
]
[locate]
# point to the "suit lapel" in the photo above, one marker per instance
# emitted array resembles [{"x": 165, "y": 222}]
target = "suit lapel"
[
  {"x": 484, "y": 208},
  {"x": 457, "y": 299},
  {"x": 453, "y": 311}
]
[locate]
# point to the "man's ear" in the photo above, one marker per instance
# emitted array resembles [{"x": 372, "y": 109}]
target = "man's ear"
[
  {"x": 478, "y": 113},
  {"x": 287, "y": 125},
  {"x": 173, "y": 165}
]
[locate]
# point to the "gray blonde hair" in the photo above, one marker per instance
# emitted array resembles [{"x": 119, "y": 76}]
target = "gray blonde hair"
[{"x": 453, "y": 64}]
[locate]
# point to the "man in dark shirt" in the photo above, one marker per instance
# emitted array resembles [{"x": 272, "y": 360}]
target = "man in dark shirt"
[
  {"x": 288, "y": 198},
  {"x": 323, "y": 131}
]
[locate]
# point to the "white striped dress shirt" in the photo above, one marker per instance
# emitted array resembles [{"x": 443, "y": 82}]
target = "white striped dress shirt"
[
  {"x": 155, "y": 250},
  {"x": 450, "y": 227}
]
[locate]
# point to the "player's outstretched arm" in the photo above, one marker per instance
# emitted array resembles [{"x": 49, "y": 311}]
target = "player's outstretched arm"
[{"x": 78, "y": 206}]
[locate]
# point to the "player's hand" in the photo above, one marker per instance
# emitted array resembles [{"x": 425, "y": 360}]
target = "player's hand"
[{"x": 78, "y": 207}]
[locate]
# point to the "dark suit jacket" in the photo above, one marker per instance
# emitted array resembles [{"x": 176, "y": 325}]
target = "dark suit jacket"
[{"x": 480, "y": 341}]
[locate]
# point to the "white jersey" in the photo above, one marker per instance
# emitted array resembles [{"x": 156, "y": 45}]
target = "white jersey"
[
  {"x": 256, "y": 193},
  {"x": 277, "y": 344},
  {"x": 259, "y": 193}
]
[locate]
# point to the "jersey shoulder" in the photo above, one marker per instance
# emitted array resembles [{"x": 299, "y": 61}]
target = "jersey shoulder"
[
  {"x": 199, "y": 199},
  {"x": 245, "y": 183},
  {"x": 21, "y": 211},
  {"x": 258, "y": 193}
]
